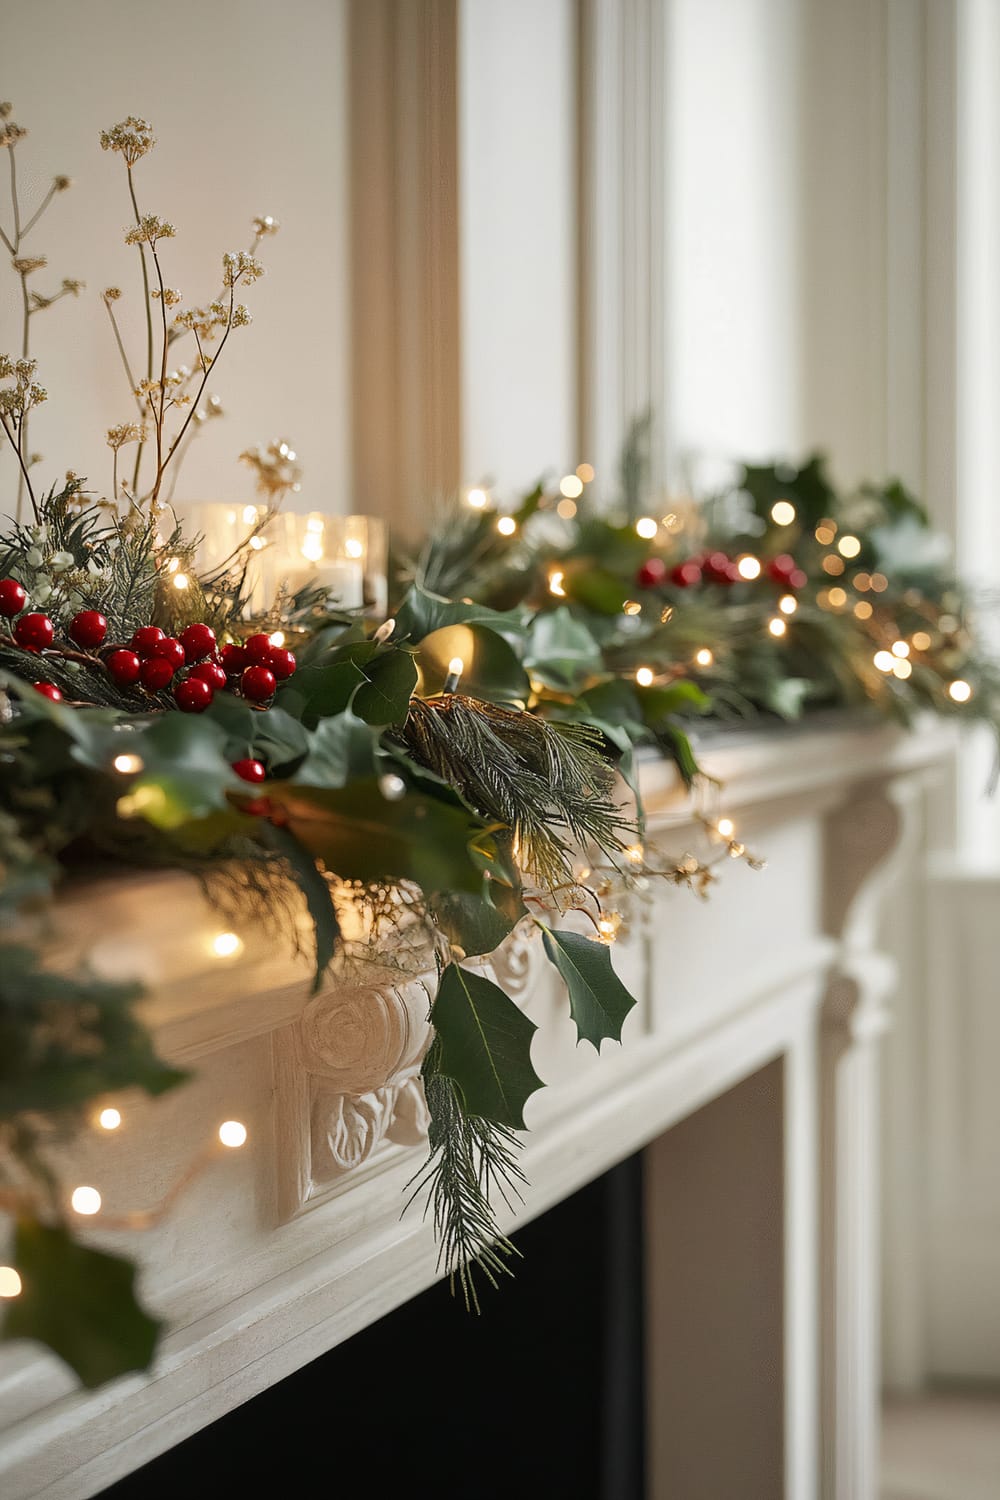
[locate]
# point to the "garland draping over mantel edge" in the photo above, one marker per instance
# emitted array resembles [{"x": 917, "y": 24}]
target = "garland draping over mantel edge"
[{"x": 430, "y": 779}]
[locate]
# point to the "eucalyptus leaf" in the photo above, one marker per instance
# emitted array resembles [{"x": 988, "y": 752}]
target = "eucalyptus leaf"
[
  {"x": 484, "y": 1046},
  {"x": 598, "y": 1001},
  {"x": 81, "y": 1302}
]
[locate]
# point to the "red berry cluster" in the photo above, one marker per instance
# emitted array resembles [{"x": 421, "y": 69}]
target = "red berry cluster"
[
  {"x": 718, "y": 568},
  {"x": 154, "y": 659}
]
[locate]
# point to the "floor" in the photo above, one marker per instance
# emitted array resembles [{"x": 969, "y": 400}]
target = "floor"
[{"x": 941, "y": 1447}]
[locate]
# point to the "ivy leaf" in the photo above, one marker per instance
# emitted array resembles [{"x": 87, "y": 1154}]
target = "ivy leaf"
[
  {"x": 359, "y": 835},
  {"x": 319, "y": 897},
  {"x": 185, "y": 773},
  {"x": 339, "y": 749},
  {"x": 561, "y": 650},
  {"x": 598, "y": 1001},
  {"x": 473, "y": 922},
  {"x": 422, "y": 612},
  {"x": 81, "y": 1303},
  {"x": 384, "y": 696},
  {"x": 485, "y": 1046}
]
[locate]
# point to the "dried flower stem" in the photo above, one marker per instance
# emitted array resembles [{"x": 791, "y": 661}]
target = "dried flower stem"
[
  {"x": 149, "y": 315},
  {"x": 124, "y": 357},
  {"x": 154, "y": 494},
  {"x": 16, "y": 445}
]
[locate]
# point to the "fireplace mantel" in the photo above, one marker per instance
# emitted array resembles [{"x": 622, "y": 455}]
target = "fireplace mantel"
[{"x": 280, "y": 1251}]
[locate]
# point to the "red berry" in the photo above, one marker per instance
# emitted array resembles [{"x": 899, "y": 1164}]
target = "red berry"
[
  {"x": 170, "y": 650},
  {"x": 685, "y": 575},
  {"x": 48, "y": 690},
  {"x": 123, "y": 666},
  {"x": 155, "y": 673},
  {"x": 258, "y": 650},
  {"x": 797, "y": 579},
  {"x": 88, "y": 628},
  {"x": 210, "y": 672},
  {"x": 781, "y": 568},
  {"x": 234, "y": 659},
  {"x": 33, "y": 632},
  {"x": 145, "y": 638},
  {"x": 193, "y": 695},
  {"x": 12, "y": 597},
  {"x": 282, "y": 664},
  {"x": 258, "y": 684},
  {"x": 250, "y": 770},
  {"x": 652, "y": 573},
  {"x": 718, "y": 568},
  {"x": 259, "y": 807},
  {"x": 198, "y": 641}
]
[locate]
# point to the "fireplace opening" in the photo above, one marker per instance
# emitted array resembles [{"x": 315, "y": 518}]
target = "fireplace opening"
[{"x": 540, "y": 1396}]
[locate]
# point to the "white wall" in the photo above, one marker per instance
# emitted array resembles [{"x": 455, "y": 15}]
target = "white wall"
[
  {"x": 517, "y": 230},
  {"x": 249, "y": 109}
]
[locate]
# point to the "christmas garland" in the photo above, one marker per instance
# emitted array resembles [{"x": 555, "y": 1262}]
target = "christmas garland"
[{"x": 438, "y": 773}]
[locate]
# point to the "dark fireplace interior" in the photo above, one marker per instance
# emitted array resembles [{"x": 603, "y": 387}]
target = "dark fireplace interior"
[{"x": 541, "y": 1396}]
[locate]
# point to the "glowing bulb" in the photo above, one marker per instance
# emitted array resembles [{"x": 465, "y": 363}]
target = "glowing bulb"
[
  {"x": 312, "y": 546},
  {"x": 788, "y": 604},
  {"x": 257, "y": 543},
  {"x": 879, "y": 583},
  {"x": 249, "y": 514},
  {"x": 900, "y": 648},
  {"x": 884, "y": 660},
  {"x": 777, "y": 626},
  {"x": 748, "y": 567},
  {"x": 506, "y": 526},
  {"x": 129, "y": 765},
  {"x": 585, "y": 472},
  {"x": 837, "y": 598},
  {"x": 959, "y": 691},
  {"x": 848, "y": 546},
  {"x": 226, "y": 944},
  {"x": 783, "y": 513},
  {"x": 644, "y": 676},
  {"x": 353, "y": 547},
  {"x": 631, "y": 607},
  {"x": 10, "y": 1282},
  {"x": 833, "y": 564},
  {"x": 825, "y": 532},
  {"x": 456, "y": 665},
  {"x": 314, "y": 523},
  {"x": 556, "y": 583},
  {"x": 86, "y": 1200},
  {"x": 646, "y": 527},
  {"x": 566, "y": 510},
  {"x": 173, "y": 565},
  {"x": 109, "y": 1119},
  {"x": 725, "y": 827},
  {"x": 901, "y": 668},
  {"x": 634, "y": 854},
  {"x": 863, "y": 610},
  {"x": 704, "y": 657},
  {"x": 862, "y": 582},
  {"x": 277, "y": 638},
  {"x": 232, "y": 1133},
  {"x": 478, "y": 499},
  {"x": 571, "y": 485},
  {"x": 181, "y": 581},
  {"x": 921, "y": 640}
]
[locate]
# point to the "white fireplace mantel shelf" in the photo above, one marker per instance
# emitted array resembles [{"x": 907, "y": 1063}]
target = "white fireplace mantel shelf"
[{"x": 280, "y": 1251}]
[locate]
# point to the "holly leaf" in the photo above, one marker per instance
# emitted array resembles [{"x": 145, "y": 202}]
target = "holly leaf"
[
  {"x": 561, "y": 650},
  {"x": 81, "y": 1303},
  {"x": 485, "y": 1046},
  {"x": 384, "y": 696},
  {"x": 339, "y": 749},
  {"x": 185, "y": 774},
  {"x": 360, "y": 835},
  {"x": 321, "y": 692},
  {"x": 422, "y": 612},
  {"x": 598, "y": 1001},
  {"x": 473, "y": 922}
]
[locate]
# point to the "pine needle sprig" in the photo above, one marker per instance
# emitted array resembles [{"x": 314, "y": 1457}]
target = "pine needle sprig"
[
  {"x": 548, "y": 781},
  {"x": 471, "y": 1159}
]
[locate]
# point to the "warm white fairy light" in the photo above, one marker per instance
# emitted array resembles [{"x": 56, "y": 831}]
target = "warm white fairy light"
[
  {"x": 455, "y": 669},
  {"x": 173, "y": 564},
  {"x": 704, "y": 657},
  {"x": 959, "y": 691},
  {"x": 249, "y": 514},
  {"x": 257, "y": 543},
  {"x": 884, "y": 660},
  {"x": 10, "y": 1282},
  {"x": 585, "y": 472},
  {"x": 232, "y": 1133},
  {"x": 900, "y": 648},
  {"x": 748, "y": 567},
  {"x": 478, "y": 499},
  {"x": 277, "y": 638},
  {"x": 635, "y": 854},
  {"x": 644, "y": 676},
  {"x": 901, "y": 668},
  {"x": 646, "y": 527},
  {"x": 837, "y": 598},
  {"x": 571, "y": 485},
  {"x": 788, "y": 604},
  {"x": 725, "y": 828},
  {"x": 631, "y": 607},
  {"x": 181, "y": 581},
  {"x": 921, "y": 641},
  {"x": 506, "y": 526},
  {"x": 354, "y": 548},
  {"x": 566, "y": 510},
  {"x": 825, "y": 532},
  {"x": 777, "y": 626},
  {"x": 128, "y": 765},
  {"x": 86, "y": 1200},
  {"x": 783, "y": 513},
  {"x": 109, "y": 1119},
  {"x": 556, "y": 583},
  {"x": 863, "y": 610},
  {"x": 226, "y": 945},
  {"x": 848, "y": 546}
]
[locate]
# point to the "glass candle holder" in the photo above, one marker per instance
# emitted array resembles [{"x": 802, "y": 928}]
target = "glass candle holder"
[{"x": 346, "y": 555}]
